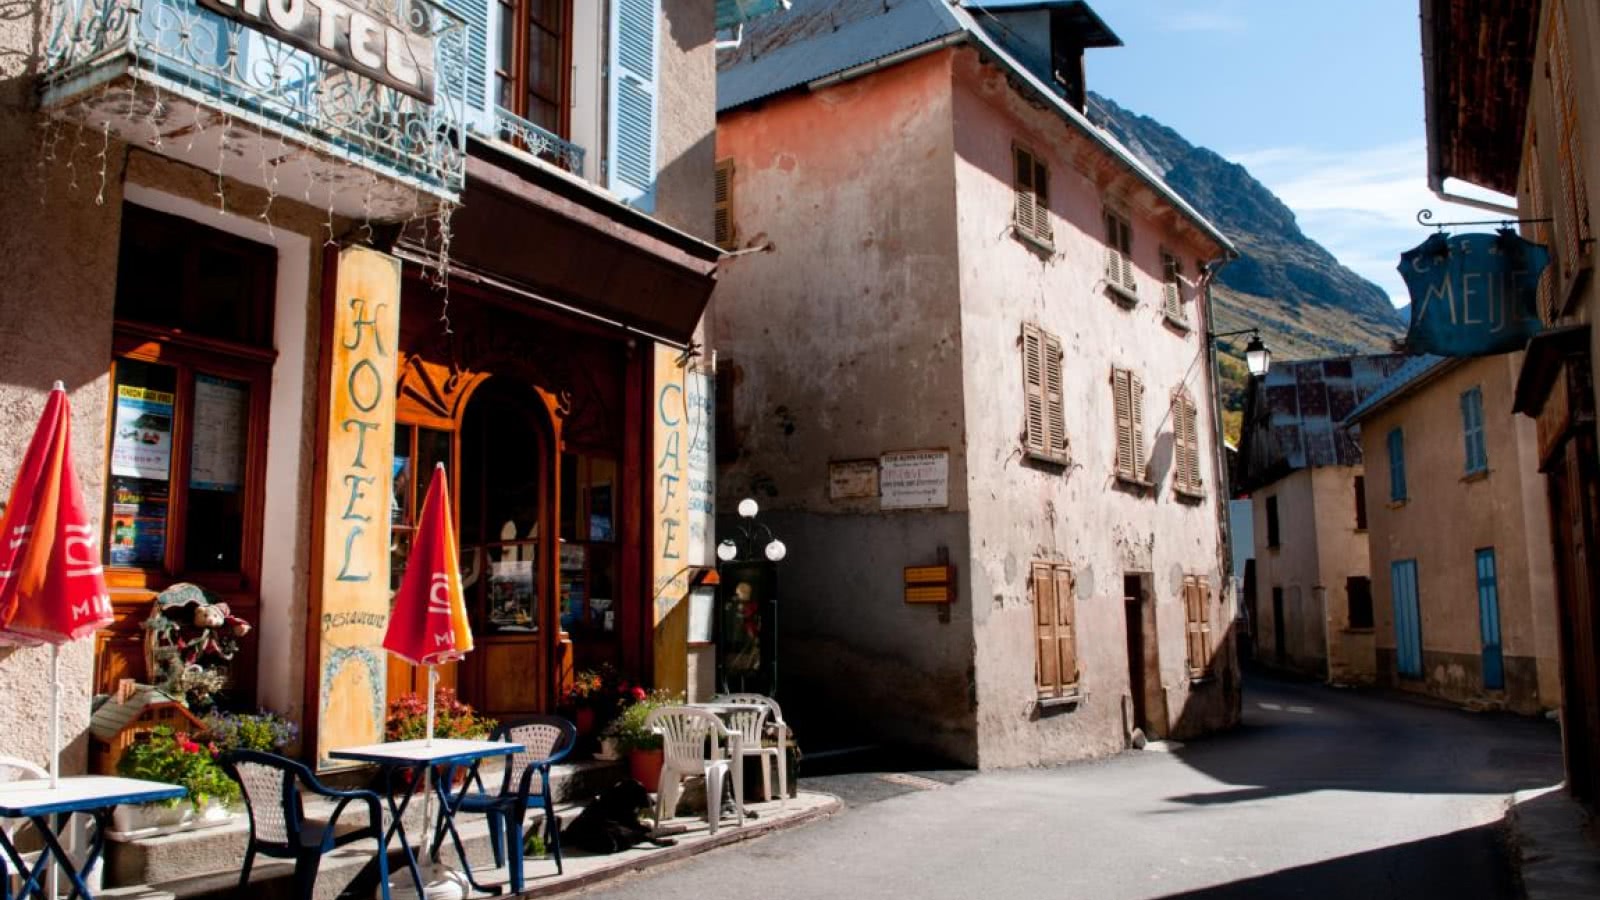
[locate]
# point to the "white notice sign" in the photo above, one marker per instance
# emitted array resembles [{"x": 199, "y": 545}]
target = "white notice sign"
[{"x": 915, "y": 480}]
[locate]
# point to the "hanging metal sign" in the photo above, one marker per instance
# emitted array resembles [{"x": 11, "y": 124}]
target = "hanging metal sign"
[
  {"x": 392, "y": 45},
  {"x": 1473, "y": 294}
]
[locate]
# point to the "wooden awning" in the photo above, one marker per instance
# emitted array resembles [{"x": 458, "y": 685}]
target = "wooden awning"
[
  {"x": 1477, "y": 64},
  {"x": 556, "y": 237}
]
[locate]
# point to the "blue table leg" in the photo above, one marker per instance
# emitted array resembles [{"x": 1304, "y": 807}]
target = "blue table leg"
[
  {"x": 448, "y": 809},
  {"x": 398, "y": 810}
]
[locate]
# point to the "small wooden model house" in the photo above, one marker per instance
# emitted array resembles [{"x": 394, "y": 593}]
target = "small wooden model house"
[{"x": 133, "y": 710}]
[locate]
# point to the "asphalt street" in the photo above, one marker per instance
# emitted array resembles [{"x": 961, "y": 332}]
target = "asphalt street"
[{"x": 1320, "y": 793}]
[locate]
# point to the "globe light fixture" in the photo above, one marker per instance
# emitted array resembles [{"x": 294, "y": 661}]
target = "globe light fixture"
[
  {"x": 776, "y": 551},
  {"x": 748, "y": 508},
  {"x": 727, "y": 550}
]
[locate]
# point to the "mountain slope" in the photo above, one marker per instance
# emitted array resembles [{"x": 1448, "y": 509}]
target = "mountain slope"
[{"x": 1304, "y": 301}]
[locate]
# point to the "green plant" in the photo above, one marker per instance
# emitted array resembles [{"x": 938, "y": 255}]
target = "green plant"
[
  {"x": 408, "y": 718},
  {"x": 176, "y": 758},
  {"x": 265, "y": 731},
  {"x": 533, "y": 844},
  {"x": 629, "y": 728}
]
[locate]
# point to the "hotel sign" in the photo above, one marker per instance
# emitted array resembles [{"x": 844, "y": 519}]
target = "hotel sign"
[
  {"x": 1473, "y": 294},
  {"x": 391, "y": 43}
]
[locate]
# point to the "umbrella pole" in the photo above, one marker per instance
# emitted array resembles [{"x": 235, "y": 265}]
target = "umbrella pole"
[
  {"x": 433, "y": 688},
  {"x": 55, "y": 715}
]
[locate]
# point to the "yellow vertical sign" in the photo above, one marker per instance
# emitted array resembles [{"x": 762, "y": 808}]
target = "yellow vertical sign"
[
  {"x": 356, "y": 499},
  {"x": 669, "y": 521}
]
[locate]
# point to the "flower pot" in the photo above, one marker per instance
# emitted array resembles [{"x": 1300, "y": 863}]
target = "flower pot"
[
  {"x": 145, "y": 819},
  {"x": 608, "y": 749},
  {"x": 584, "y": 720},
  {"x": 645, "y": 767}
]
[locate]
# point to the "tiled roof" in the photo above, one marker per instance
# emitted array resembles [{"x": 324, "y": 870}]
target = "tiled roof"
[
  {"x": 1295, "y": 415},
  {"x": 1416, "y": 368}
]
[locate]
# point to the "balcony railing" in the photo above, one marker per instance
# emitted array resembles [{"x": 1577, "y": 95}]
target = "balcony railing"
[
  {"x": 525, "y": 135},
  {"x": 177, "y": 59}
]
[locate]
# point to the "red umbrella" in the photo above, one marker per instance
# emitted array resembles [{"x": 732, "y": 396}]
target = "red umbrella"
[
  {"x": 428, "y": 621},
  {"x": 52, "y": 588}
]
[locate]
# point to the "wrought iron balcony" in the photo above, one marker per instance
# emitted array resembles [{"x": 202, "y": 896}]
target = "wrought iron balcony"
[
  {"x": 526, "y": 136},
  {"x": 191, "y": 83}
]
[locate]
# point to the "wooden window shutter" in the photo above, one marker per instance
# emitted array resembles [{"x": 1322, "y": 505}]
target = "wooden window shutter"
[
  {"x": 1172, "y": 287},
  {"x": 1136, "y": 404},
  {"x": 1044, "y": 609},
  {"x": 1119, "y": 252},
  {"x": 1113, "y": 254},
  {"x": 633, "y": 109},
  {"x": 1066, "y": 642},
  {"x": 1191, "y": 419},
  {"x": 1055, "y": 414},
  {"x": 1041, "y": 202},
  {"x": 724, "y": 204},
  {"x": 1023, "y": 213},
  {"x": 1033, "y": 380},
  {"x": 1123, "y": 405},
  {"x": 1196, "y": 598}
]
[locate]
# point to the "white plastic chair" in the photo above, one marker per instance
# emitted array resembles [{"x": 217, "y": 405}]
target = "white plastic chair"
[
  {"x": 750, "y": 728},
  {"x": 692, "y": 744},
  {"x": 13, "y": 769}
]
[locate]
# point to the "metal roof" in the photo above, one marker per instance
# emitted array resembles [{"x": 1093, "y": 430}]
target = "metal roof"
[
  {"x": 1416, "y": 370},
  {"x": 736, "y": 12},
  {"x": 817, "y": 38}
]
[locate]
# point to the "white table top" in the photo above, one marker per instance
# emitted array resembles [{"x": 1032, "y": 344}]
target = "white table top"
[
  {"x": 420, "y": 751},
  {"x": 35, "y": 796}
]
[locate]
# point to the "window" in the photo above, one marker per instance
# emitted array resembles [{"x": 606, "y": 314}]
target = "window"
[
  {"x": 1172, "y": 290},
  {"x": 1045, "y": 436},
  {"x": 1361, "y": 503},
  {"x": 1358, "y": 596},
  {"x": 190, "y": 375},
  {"x": 1572, "y": 206},
  {"x": 1197, "y": 605},
  {"x": 726, "y": 237},
  {"x": 1185, "y": 445},
  {"x": 1272, "y": 521},
  {"x": 1472, "y": 430},
  {"x": 1397, "y": 465},
  {"x": 532, "y": 61},
  {"x": 1054, "y": 604},
  {"x": 1127, "y": 393},
  {"x": 1030, "y": 213},
  {"x": 1119, "y": 255}
]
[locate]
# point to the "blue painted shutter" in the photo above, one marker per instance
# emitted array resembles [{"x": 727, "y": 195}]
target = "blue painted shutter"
[
  {"x": 1407, "y": 618},
  {"x": 476, "y": 13},
  {"x": 1472, "y": 430},
  {"x": 1494, "y": 675},
  {"x": 1397, "y": 465},
  {"x": 631, "y": 151}
]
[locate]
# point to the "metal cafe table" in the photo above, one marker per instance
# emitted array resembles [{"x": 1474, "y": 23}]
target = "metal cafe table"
[
  {"x": 416, "y": 758},
  {"x": 35, "y": 800}
]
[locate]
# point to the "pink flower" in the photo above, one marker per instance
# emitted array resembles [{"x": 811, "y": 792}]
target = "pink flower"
[{"x": 638, "y": 694}]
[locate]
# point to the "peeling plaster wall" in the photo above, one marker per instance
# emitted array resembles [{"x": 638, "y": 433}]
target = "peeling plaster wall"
[
  {"x": 1023, "y": 511},
  {"x": 1506, "y": 510},
  {"x": 688, "y": 118},
  {"x": 842, "y": 342},
  {"x": 1296, "y": 566}
]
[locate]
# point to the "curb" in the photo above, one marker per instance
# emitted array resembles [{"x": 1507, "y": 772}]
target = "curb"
[
  {"x": 724, "y": 837},
  {"x": 1556, "y": 857}
]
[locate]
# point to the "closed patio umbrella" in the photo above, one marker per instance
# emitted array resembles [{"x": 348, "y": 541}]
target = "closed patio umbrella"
[{"x": 52, "y": 588}]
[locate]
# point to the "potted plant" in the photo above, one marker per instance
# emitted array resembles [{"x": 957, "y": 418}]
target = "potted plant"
[
  {"x": 176, "y": 757},
  {"x": 408, "y": 721},
  {"x": 264, "y": 730},
  {"x": 642, "y": 745},
  {"x": 586, "y": 690}
]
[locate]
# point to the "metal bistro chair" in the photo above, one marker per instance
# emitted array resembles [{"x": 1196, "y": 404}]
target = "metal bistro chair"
[
  {"x": 750, "y": 727},
  {"x": 546, "y": 740},
  {"x": 692, "y": 744},
  {"x": 279, "y": 828}
]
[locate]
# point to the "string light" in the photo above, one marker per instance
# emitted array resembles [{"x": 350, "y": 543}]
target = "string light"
[{"x": 105, "y": 144}]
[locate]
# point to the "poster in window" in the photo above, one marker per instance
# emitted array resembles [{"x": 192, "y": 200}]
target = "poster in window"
[
  {"x": 138, "y": 522},
  {"x": 600, "y": 512},
  {"x": 219, "y": 426},
  {"x": 511, "y": 594},
  {"x": 141, "y": 445}
]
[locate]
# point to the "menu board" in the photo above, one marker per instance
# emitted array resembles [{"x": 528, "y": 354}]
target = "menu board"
[
  {"x": 217, "y": 460},
  {"x": 138, "y": 522}
]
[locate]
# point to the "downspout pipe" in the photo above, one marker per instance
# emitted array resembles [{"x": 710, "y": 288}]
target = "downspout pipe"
[{"x": 1224, "y": 490}]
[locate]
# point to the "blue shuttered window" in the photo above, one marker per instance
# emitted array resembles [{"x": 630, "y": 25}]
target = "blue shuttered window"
[
  {"x": 1407, "y": 618},
  {"x": 479, "y": 111},
  {"x": 1494, "y": 674},
  {"x": 1397, "y": 464},
  {"x": 1472, "y": 430},
  {"x": 631, "y": 150}
]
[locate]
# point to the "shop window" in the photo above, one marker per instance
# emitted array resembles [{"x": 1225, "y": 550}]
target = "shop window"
[
  {"x": 190, "y": 377},
  {"x": 416, "y": 451},
  {"x": 1055, "y": 631},
  {"x": 532, "y": 60},
  {"x": 589, "y": 538},
  {"x": 1045, "y": 431}
]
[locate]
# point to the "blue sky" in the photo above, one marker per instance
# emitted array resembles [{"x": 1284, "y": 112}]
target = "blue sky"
[{"x": 1320, "y": 99}]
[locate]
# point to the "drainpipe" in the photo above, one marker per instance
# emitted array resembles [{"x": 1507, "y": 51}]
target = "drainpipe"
[
  {"x": 1219, "y": 452},
  {"x": 1485, "y": 205}
]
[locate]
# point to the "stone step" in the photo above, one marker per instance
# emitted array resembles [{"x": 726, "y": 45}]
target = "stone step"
[{"x": 195, "y": 863}]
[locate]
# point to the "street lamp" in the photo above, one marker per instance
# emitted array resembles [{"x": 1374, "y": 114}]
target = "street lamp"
[
  {"x": 750, "y": 531},
  {"x": 1257, "y": 358}
]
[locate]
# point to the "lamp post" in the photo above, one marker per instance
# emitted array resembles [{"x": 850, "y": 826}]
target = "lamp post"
[
  {"x": 747, "y": 607},
  {"x": 1257, "y": 358}
]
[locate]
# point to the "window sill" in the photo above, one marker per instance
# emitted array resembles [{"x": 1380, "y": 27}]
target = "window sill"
[
  {"x": 1360, "y": 530},
  {"x": 1064, "y": 702},
  {"x": 1396, "y": 504},
  {"x": 1274, "y": 547},
  {"x": 1124, "y": 297},
  {"x": 1134, "y": 484},
  {"x": 1181, "y": 326},
  {"x": 1033, "y": 242},
  {"x": 1187, "y": 496},
  {"x": 1476, "y": 475},
  {"x": 1060, "y": 461}
]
